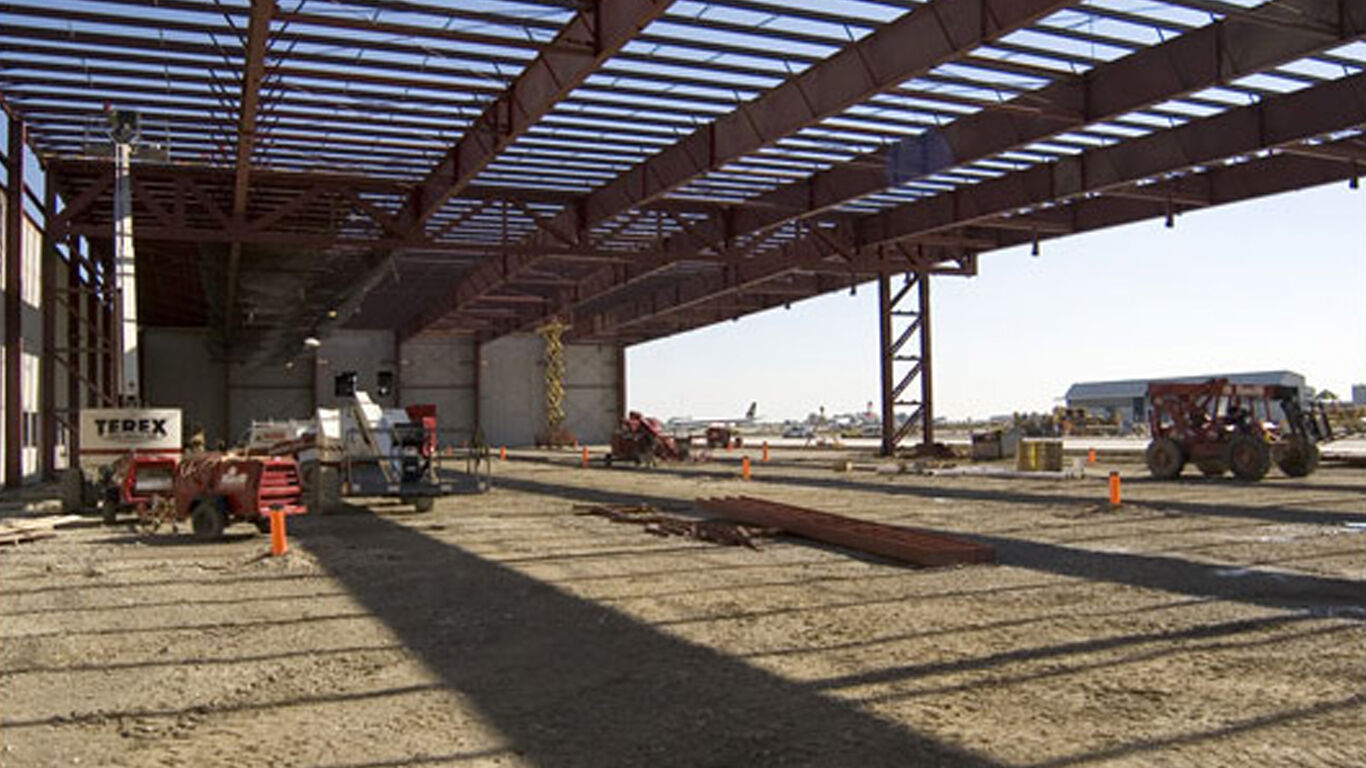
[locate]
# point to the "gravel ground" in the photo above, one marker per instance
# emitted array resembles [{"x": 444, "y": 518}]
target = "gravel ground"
[{"x": 1203, "y": 623}]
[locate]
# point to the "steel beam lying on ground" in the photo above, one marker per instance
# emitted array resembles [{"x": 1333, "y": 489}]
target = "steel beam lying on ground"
[{"x": 912, "y": 545}]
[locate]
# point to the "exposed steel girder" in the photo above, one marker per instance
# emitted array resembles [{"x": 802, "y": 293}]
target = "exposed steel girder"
[
  {"x": 1216, "y": 185},
  {"x": 1282, "y": 120},
  {"x": 932, "y": 34},
  {"x": 592, "y": 36},
  {"x": 1219, "y": 52},
  {"x": 258, "y": 38},
  {"x": 808, "y": 254}
]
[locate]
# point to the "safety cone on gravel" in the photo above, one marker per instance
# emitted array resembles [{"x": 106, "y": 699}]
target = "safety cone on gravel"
[
  {"x": 503, "y": 453},
  {"x": 1114, "y": 489},
  {"x": 1091, "y": 456},
  {"x": 278, "y": 543},
  {"x": 744, "y": 468},
  {"x": 583, "y": 458},
  {"x": 765, "y": 458}
]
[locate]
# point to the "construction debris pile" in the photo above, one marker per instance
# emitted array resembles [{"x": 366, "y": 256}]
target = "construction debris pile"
[
  {"x": 717, "y": 531},
  {"x": 18, "y": 530}
]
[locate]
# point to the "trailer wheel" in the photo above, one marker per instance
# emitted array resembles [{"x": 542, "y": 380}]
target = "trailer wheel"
[
  {"x": 424, "y": 503},
  {"x": 1297, "y": 456},
  {"x": 1211, "y": 467},
  {"x": 1249, "y": 457},
  {"x": 208, "y": 520},
  {"x": 109, "y": 506},
  {"x": 1165, "y": 458}
]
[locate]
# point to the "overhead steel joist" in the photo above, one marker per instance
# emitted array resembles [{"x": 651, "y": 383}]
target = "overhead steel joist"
[
  {"x": 1205, "y": 57},
  {"x": 638, "y": 167},
  {"x": 937, "y": 32}
]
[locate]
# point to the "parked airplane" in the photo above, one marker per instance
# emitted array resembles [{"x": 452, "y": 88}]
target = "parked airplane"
[{"x": 687, "y": 423}]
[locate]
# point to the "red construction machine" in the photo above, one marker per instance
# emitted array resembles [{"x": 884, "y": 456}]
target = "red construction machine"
[
  {"x": 211, "y": 490},
  {"x": 215, "y": 490},
  {"x": 642, "y": 439},
  {"x": 1220, "y": 426}
]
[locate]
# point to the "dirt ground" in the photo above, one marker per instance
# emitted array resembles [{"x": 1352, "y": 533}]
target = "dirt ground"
[{"x": 1203, "y": 623}]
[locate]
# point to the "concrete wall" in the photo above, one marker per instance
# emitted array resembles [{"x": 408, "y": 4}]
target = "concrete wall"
[
  {"x": 591, "y": 391},
  {"x": 440, "y": 371},
  {"x": 512, "y": 390},
  {"x": 181, "y": 371},
  {"x": 365, "y": 352},
  {"x": 178, "y": 371},
  {"x": 268, "y": 392}
]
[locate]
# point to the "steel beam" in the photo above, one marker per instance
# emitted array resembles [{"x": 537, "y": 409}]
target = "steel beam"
[
  {"x": 253, "y": 71},
  {"x": 14, "y": 307},
  {"x": 47, "y": 365},
  {"x": 930, "y": 35},
  {"x": 1294, "y": 117},
  {"x": 1282, "y": 120},
  {"x": 1217, "y": 53},
  {"x": 592, "y": 36},
  {"x": 1218, "y": 185}
]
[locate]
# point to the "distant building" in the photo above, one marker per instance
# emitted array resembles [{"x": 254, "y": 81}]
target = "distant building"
[
  {"x": 1129, "y": 398},
  {"x": 1359, "y": 394}
]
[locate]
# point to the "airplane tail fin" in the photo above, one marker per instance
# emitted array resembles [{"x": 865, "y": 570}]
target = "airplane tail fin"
[{"x": 753, "y": 410}]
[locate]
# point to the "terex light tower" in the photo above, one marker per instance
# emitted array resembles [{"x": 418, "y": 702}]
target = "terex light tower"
[{"x": 123, "y": 131}]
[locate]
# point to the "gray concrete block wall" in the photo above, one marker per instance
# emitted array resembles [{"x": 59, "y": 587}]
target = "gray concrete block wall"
[
  {"x": 178, "y": 371},
  {"x": 439, "y": 371},
  {"x": 365, "y": 352},
  {"x": 268, "y": 392},
  {"x": 512, "y": 390},
  {"x": 591, "y": 391}
]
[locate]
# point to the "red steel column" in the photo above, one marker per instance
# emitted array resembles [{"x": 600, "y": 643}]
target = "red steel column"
[
  {"x": 884, "y": 304},
  {"x": 47, "y": 366},
  {"x": 476, "y": 429},
  {"x": 14, "y": 311},
  {"x": 73, "y": 356},
  {"x": 621, "y": 381},
  {"x": 926, "y": 372}
]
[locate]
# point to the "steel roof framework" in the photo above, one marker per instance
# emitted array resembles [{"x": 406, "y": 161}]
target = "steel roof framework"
[{"x": 642, "y": 167}]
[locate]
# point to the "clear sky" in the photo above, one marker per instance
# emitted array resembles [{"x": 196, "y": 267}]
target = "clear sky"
[{"x": 1269, "y": 284}]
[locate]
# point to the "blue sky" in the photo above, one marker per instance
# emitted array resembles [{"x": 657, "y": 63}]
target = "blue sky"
[{"x": 1275, "y": 283}]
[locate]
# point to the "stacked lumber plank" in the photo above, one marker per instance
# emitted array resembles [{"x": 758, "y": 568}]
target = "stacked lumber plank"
[{"x": 17, "y": 530}]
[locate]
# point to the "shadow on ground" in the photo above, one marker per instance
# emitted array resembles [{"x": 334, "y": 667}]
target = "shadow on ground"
[
  {"x": 1278, "y": 513},
  {"x": 570, "y": 682},
  {"x": 1172, "y": 574}
]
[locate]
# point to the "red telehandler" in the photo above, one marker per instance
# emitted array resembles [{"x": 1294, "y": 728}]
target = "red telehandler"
[{"x": 1220, "y": 426}]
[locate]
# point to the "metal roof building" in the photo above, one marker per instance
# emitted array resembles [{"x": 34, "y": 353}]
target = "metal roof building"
[{"x": 1129, "y": 397}]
